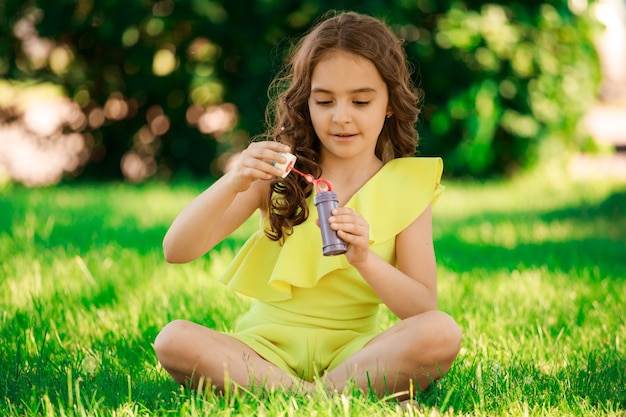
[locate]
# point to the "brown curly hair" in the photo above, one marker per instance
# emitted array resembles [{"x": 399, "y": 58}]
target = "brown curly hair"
[{"x": 288, "y": 116}]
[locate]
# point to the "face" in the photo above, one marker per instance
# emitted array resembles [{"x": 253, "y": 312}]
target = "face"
[{"x": 348, "y": 105}]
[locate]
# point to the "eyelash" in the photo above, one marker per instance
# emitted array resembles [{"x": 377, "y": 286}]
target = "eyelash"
[{"x": 326, "y": 103}]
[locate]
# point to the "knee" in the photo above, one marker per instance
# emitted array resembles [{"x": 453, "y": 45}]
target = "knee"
[
  {"x": 167, "y": 342},
  {"x": 442, "y": 338},
  {"x": 448, "y": 335}
]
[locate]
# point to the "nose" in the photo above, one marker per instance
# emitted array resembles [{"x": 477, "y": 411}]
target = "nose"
[{"x": 341, "y": 113}]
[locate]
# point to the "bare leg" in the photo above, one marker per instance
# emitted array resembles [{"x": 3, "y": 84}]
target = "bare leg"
[
  {"x": 412, "y": 353},
  {"x": 191, "y": 353}
]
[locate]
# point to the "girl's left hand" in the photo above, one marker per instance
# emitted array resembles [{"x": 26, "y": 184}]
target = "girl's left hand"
[{"x": 354, "y": 230}]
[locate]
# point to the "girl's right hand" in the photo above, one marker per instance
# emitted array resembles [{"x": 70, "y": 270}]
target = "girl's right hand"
[{"x": 255, "y": 163}]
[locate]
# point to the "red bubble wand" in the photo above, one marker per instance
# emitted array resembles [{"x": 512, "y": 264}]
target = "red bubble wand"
[{"x": 321, "y": 184}]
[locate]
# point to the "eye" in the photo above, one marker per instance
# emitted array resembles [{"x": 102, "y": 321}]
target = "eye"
[
  {"x": 323, "y": 102},
  {"x": 361, "y": 103}
]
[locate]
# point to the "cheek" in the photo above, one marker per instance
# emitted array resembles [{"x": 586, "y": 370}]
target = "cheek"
[
  {"x": 317, "y": 119},
  {"x": 376, "y": 129},
  {"x": 376, "y": 122}
]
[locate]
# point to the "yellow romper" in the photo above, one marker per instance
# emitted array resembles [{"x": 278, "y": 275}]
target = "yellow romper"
[{"x": 311, "y": 312}]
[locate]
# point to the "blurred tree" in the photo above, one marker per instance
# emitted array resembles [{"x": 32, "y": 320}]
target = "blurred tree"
[
  {"x": 169, "y": 86},
  {"x": 524, "y": 75}
]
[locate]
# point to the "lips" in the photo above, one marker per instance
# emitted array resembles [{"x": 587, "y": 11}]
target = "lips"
[{"x": 343, "y": 136}]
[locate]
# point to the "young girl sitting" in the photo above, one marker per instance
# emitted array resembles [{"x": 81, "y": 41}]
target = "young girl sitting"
[{"x": 347, "y": 111}]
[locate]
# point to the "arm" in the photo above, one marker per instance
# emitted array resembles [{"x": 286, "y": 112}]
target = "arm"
[
  {"x": 224, "y": 206},
  {"x": 409, "y": 289}
]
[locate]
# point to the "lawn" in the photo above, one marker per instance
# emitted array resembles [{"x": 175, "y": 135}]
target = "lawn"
[{"x": 534, "y": 270}]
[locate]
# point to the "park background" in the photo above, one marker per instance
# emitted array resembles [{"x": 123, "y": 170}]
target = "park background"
[{"x": 114, "y": 114}]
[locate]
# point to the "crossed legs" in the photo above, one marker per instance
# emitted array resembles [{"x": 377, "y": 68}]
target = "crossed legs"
[
  {"x": 413, "y": 352},
  {"x": 190, "y": 352}
]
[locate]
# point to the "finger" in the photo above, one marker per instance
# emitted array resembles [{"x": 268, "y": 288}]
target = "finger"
[
  {"x": 255, "y": 169},
  {"x": 343, "y": 218},
  {"x": 276, "y": 146},
  {"x": 280, "y": 162},
  {"x": 262, "y": 159},
  {"x": 268, "y": 149},
  {"x": 352, "y": 239},
  {"x": 267, "y": 156},
  {"x": 347, "y": 212},
  {"x": 349, "y": 228}
]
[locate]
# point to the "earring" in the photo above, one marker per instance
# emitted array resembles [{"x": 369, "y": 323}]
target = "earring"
[{"x": 389, "y": 115}]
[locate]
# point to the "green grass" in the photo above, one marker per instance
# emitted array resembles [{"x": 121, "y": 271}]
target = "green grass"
[{"x": 534, "y": 271}]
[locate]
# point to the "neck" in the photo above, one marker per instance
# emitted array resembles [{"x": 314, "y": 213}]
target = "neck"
[
  {"x": 348, "y": 176},
  {"x": 344, "y": 169}
]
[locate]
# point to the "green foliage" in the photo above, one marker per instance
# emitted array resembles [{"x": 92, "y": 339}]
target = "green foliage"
[
  {"x": 536, "y": 283},
  {"x": 528, "y": 74},
  {"x": 502, "y": 79}
]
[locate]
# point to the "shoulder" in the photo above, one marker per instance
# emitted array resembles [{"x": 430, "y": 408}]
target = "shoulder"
[
  {"x": 412, "y": 174},
  {"x": 415, "y": 165},
  {"x": 401, "y": 191}
]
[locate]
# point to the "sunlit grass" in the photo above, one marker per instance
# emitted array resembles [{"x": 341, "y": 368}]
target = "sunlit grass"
[{"x": 534, "y": 271}]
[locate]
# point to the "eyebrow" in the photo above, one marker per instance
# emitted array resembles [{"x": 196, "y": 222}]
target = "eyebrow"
[{"x": 358, "y": 90}]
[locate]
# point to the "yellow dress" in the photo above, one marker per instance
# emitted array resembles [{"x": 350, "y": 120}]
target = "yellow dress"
[{"x": 311, "y": 312}]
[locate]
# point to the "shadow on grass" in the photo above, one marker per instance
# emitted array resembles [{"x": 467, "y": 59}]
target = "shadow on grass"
[
  {"x": 613, "y": 208},
  {"x": 597, "y": 381},
  {"x": 593, "y": 258},
  {"x": 112, "y": 386},
  {"x": 597, "y": 254},
  {"x": 80, "y": 219}
]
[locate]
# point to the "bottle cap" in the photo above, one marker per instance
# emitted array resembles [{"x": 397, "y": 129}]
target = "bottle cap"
[{"x": 286, "y": 167}]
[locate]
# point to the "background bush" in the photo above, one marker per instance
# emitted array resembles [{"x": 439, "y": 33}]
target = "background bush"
[{"x": 174, "y": 85}]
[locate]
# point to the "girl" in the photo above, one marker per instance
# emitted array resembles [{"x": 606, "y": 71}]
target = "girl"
[{"x": 347, "y": 110}]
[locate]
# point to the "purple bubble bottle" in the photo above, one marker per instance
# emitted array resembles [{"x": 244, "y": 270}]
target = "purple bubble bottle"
[{"x": 326, "y": 201}]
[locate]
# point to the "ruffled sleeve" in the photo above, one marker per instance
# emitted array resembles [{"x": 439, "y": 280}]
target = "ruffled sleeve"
[{"x": 390, "y": 201}]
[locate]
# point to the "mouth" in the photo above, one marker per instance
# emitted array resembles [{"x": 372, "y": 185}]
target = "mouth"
[{"x": 342, "y": 137}]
